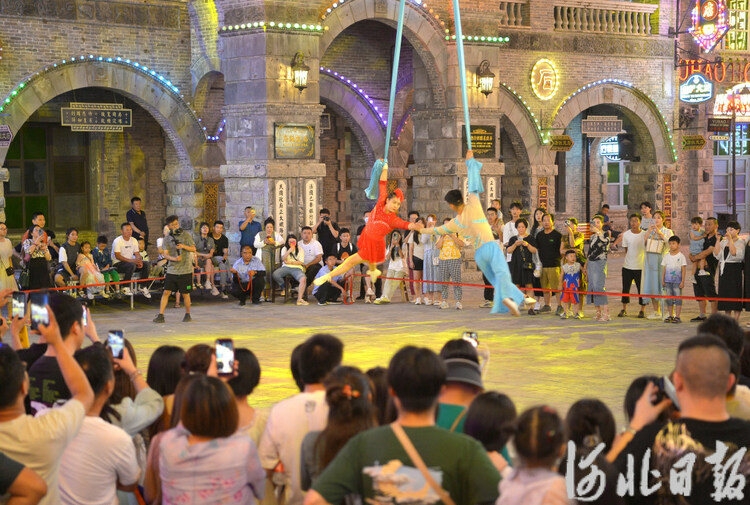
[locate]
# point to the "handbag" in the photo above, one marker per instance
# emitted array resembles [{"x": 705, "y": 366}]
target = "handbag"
[
  {"x": 654, "y": 245},
  {"x": 23, "y": 279},
  {"x": 9, "y": 271}
]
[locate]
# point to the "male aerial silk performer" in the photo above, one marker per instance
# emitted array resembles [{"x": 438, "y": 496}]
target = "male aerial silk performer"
[
  {"x": 383, "y": 220},
  {"x": 471, "y": 223}
]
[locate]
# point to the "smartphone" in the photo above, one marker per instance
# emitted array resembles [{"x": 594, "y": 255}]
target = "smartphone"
[
  {"x": 19, "y": 305},
  {"x": 472, "y": 337},
  {"x": 39, "y": 314},
  {"x": 225, "y": 356},
  {"x": 666, "y": 389},
  {"x": 116, "y": 343},
  {"x": 85, "y": 316}
]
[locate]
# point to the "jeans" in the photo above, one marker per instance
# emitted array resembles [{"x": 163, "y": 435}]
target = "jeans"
[
  {"x": 284, "y": 272},
  {"x": 219, "y": 262},
  {"x": 672, "y": 289},
  {"x": 128, "y": 269},
  {"x": 597, "y": 272}
]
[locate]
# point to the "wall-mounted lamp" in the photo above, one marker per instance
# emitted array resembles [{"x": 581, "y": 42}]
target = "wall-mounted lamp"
[
  {"x": 485, "y": 78},
  {"x": 299, "y": 71}
]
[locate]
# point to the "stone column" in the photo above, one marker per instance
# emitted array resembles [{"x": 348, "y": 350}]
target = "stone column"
[{"x": 184, "y": 190}]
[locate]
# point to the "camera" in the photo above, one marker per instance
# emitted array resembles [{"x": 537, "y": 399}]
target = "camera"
[
  {"x": 326, "y": 218},
  {"x": 176, "y": 233},
  {"x": 567, "y": 222}
]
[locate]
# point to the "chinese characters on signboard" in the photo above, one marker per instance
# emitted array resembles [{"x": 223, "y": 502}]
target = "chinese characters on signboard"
[
  {"x": 280, "y": 207},
  {"x": 491, "y": 190},
  {"x": 544, "y": 79},
  {"x": 668, "y": 201},
  {"x": 483, "y": 140},
  {"x": 736, "y": 38},
  {"x": 294, "y": 141},
  {"x": 311, "y": 201},
  {"x": 543, "y": 193},
  {"x": 96, "y": 117}
]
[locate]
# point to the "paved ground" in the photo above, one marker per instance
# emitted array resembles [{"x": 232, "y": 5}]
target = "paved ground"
[{"x": 534, "y": 359}]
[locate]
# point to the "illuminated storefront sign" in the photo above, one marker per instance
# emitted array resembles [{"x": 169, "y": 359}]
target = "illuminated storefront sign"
[
  {"x": 696, "y": 89},
  {"x": 544, "y": 79},
  {"x": 610, "y": 148},
  {"x": 736, "y": 39},
  {"x": 732, "y": 71},
  {"x": 736, "y": 99},
  {"x": 710, "y": 23}
]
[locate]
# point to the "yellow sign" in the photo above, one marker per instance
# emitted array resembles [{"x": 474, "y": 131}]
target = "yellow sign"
[{"x": 544, "y": 79}]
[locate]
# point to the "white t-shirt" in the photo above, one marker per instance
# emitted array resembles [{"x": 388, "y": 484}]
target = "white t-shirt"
[
  {"x": 418, "y": 247},
  {"x": 101, "y": 455},
  {"x": 126, "y": 249},
  {"x": 39, "y": 442},
  {"x": 288, "y": 423},
  {"x": 509, "y": 231},
  {"x": 633, "y": 242},
  {"x": 673, "y": 264},
  {"x": 397, "y": 265},
  {"x": 312, "y": 249}
]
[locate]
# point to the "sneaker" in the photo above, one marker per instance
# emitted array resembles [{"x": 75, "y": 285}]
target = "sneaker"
[
  {"x": 532, "y": 312},
  {"x": 207, "y": 285},
  {"x": 187, "y": 318},
  {"x": 444, "y": 305},
  {"x": 326, "y": 303},
  {"x": 159, "y": 318},
  {"x": 459, "y": 306},
  {"x": 382, "y": 300},
  {"x": 214, "y": 291},
  {"x": 676, "y": 320},
  {"x": 622, "y": 313},
  {"x": 654, "y": 316},
  {"x": 262, "y": 299},
  {"x": 224, "y": 295},
  {"x": 105, "y": 295},
  {"x": 302, "y": 302},
  {"x": 559, "y": 310},
  {"x": 90, "y": 296},
  {"x": 563, "y": 315},
  {"x": 546, "y": 308},
  {"x": 418, "y": 301},
  {"x": 487, "y": 304},
  {"x": 127, "y": 292},
  {"x": 335, "y": 302},
  {"x": 668, "y": 319},
  {"x": 702, "y": 272},
  {"x": 428, "y": 302},
  {"x": 529, "y": 302},
  {"x": 698, "y": 319},
  {"x": 145, "y": 292},
  {"x": 578, "y": 315},
  {"x": 641, "y": 315}
]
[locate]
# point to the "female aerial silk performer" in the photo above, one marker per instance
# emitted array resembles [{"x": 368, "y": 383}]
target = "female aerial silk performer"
[
  {"x": 471, "y": 224},
  {"x": 383, "y": 220}
]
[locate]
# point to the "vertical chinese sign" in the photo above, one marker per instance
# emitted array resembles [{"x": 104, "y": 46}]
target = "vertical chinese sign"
[
  {"x": 668, "y": 201},
  {"x": 543, "y": 194},
  {"x": 491, "y": 190},
  {"x": 311, "y": 200},
  {"x": 280, "y": 208}
]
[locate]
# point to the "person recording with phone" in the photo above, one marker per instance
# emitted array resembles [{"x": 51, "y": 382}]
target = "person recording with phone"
[
  {"x": 248, "y": 277},
  {"x": 178, "y": 249},
  {"x": 37, "y": 265}
]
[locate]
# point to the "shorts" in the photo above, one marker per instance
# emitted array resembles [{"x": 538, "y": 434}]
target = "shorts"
[
  {"x": 61, "y": 271},
  {"x": 672, "y": 289},
  {"x": 418, "y": 264},
  {"x": 704, "y": 286},
  {"x": 550, "y": 278},
  {"x": 178, "y": 282}
]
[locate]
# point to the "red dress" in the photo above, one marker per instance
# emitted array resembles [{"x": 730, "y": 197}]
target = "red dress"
[{"x": 372, "y": 241}]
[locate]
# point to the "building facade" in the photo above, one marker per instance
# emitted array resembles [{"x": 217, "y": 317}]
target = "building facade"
[{"x": 217, "y": 124}]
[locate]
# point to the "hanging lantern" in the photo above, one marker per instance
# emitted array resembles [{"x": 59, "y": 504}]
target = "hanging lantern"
[
  {"x": 299, "y": 71},
  {"x": 485, "y": 78}
]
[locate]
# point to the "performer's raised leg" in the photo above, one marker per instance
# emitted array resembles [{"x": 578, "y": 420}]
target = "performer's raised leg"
[{"x": 349, "y": 263}]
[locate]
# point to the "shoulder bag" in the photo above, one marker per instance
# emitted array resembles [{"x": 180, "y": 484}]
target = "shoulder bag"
[
  {"x": 654, "y": 244},
  {"x": 411, "y": 451}
]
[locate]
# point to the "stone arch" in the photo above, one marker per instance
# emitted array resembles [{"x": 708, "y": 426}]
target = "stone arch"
[
  {"x": 526, "y": 128},
  {"x": 203, "y": 66},
  {"x": 619, "y": 93},
  {"x": 159, "y": 96},
  {"x": 366, "y": 125},
  {"x": 419, "y": 29},
  {"x": 205, "y": 19}
]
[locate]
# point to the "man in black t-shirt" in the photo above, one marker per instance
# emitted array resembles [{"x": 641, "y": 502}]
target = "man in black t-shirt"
[
  {"x": 704, "y": 432},
  {"x": 137, "y": 219},
  {"x": 328, "y": 232},
  {"x": 705, "y": 285},
  {"x": 221, "y": 254},
  {"x": 548, "y": 247},
  {"x": 343, "y": 250}
]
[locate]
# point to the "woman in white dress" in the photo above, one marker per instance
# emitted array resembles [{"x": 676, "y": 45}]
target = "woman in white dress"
[{"x": 6, "y": 260}]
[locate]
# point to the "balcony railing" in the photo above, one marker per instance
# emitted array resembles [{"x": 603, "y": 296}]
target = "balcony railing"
[
  {"x": 604, "y": 16},
  {"x": 514, "y": 13}
]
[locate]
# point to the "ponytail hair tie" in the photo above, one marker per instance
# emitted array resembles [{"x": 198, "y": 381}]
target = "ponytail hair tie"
[{"x": 350, "y": 393}]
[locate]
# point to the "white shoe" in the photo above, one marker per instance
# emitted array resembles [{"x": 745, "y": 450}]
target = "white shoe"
[
  {"x": 90, "y": 296},
  {"x": 207, "y": 285},
  {"x": 444, "y": 305},
  {"x": 418, "y": 301},
  {"x": 459, "y": 306},
  {"x": 214, "y": 291},
  {"x": 127, "y": 292},
  {"x": 145, "y": 292},
  {"x": 653, "y": 316},
  {"x": 512, "y": 306},
  {"x": 224, "y": 296},
  {"x": 427, "y": 301}
]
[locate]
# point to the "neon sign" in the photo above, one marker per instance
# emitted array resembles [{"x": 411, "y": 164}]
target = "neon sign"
[
  {"x": 735, "y": 100},
  {"x": 710, "y": 23},
  {"x": 544, "y": 79},
  {"x": 733, "y": 71},
  {"x": 696, "y": 89}
]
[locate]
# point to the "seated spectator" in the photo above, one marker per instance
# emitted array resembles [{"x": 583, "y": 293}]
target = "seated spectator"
[
  {"x": 127, "y": 260},
  {"x": 89, "y": 273},
  {"x": 252, "y": 421},
  {"x": 701, "y": 380},
  {"x": 373, "y": 463},
  {"x": 205, "y": 456},
  {"x": 204, "y": 253},
  {"x": 103, "y": 260},
  {"x": 491, "y": 419},
  {"x": 329, "y": 292},
  {"x": 66, "y": 266},
  {"x": 350, "y": 411},
  {"x": 39, "y": 443},
  {"x": 101, "y": 458},
  {"x": 539, "y": 443},
  {"x": 37, "y": 258},
  {"x": 462, "y": 385},
  {"x": 48, "y": 386},
  {"x": 144, "y": 252},
  {"x": 221, "y": 255},
  {"x": 313, "y": 255},
  {"x": 291, "y": 419},
  {"x": 248, "y": 277},
  {"x": 21, "y": 485},
  {"x": 293, "y": 265},
  {"x": 164, "y": 373}
]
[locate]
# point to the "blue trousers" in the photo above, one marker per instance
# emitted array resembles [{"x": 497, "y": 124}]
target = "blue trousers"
[{"x": 491, "y": 260}]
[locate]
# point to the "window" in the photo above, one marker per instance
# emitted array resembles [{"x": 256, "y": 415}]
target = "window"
[
  {"x": 47, "y": 165},
  {"x": 722, "y": 147},
  {"x": 618, "y": 181},
  {"x": 736, "y": 38}
]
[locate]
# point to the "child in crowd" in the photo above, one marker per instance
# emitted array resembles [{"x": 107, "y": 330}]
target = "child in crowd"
[
  {"x": 142, "y": 251},
  {"x": 103, "y": 261},
  {"x": 697, "y": 238},
  {"x": 89, "y": 273},
  {"x": 673, "y": 279},
  {"x": 539, "y": 443},
  {"x": 570, "y": 281},
  {"x": 396, "y": 268}
]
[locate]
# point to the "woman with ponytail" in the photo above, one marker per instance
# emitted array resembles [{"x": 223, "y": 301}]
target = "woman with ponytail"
[
  {"x": 491, "y": 421},
  {"x": 350, "y": 411}
]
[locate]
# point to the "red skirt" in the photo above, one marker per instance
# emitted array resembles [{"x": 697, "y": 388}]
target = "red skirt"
[{"x": 371, "y": 247}]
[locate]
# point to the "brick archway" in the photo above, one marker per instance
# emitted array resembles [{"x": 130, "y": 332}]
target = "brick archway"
[
  {"x": 526, "y": 130},
  {"x": 629, "y": 99}
]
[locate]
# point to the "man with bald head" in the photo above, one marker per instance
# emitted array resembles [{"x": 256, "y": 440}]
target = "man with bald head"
[{"x": 702, "y": 378}]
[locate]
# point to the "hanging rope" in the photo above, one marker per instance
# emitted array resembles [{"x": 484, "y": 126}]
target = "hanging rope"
[{"x": 462, "y": 69}]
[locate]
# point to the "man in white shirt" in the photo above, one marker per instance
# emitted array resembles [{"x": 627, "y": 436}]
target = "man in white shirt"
[
  {"x": 39, "y": 443},
  {"x": 632, "y": 241},
  {"x": 101, "y": 458},
  {"x": 509, "y": 228},
  {"x": 126, "y": 259},
  {"x": 291, "y": 419},
  {"x": 313, "y": 254}
]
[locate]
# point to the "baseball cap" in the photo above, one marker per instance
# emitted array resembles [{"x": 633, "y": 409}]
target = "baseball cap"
[{"x": 463, "y": 370}]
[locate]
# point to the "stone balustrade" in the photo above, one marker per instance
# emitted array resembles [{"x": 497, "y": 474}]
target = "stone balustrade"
[
  {"x": 514, "y": 13},
  {"x": 604, "y": 16}
]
